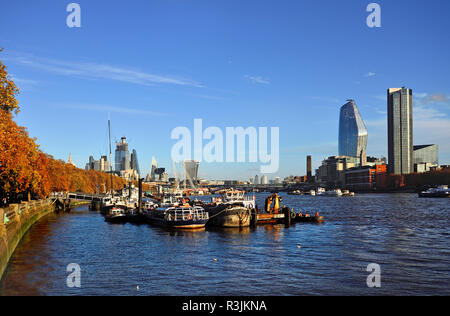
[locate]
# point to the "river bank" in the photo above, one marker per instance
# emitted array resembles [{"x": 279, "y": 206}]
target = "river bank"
[{"x": 16, "y": 220}]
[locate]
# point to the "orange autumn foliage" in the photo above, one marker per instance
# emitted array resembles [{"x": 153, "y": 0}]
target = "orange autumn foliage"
[
  {"x": 25, "y": 170},
  {"x": 8, "y": 91},
  {"x": 18, "y": 158}
]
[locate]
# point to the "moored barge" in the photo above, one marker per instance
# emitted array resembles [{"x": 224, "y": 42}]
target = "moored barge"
[
  {"x": 180, "y": 217},
  {"x": 233, "y": 209}
]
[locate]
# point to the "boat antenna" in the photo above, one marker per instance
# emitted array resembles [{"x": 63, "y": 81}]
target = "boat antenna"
[{"x": 110, "y": 155}]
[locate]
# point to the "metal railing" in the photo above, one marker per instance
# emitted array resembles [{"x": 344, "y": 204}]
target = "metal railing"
[
  {"x": 186, "y": 215},
  {"x": 13, "y": 210}
]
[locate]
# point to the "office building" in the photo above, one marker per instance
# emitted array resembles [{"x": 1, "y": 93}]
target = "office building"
[
  {"x": 366, "y": 178},
  {"x": 134, "y": 162},
  {"x": 352, "y": 132},
  {"x": 332, "y": 171},
  {"x": 264, "y": 180},
  {"x": 154, "y": 167},
  {"x": 400, "y": 130},
  {"x": 425, "y": 158},
  {"x": 97, "y": 165},
  {"x": 191, "y": 170},
  {"x": 122, "y": 156}
]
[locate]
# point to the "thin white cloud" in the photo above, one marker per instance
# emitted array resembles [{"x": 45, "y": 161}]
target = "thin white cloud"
[
  {"x": 257, "y": 79},
  {"x": 421, "y": 99},
  {"x": 370, "y": 74},
  {"x": 92, "y": 70},
  {"x": 420, "y": 95},
  {"x": 19, "y": 81},
  {"x": 108, "y": 108},
  {"x": 431, "y": 126},
  {"x": 439, "y": 97}
]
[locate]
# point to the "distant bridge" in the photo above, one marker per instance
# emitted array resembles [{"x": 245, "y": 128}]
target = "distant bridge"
[{"x": 78, "y": 196}]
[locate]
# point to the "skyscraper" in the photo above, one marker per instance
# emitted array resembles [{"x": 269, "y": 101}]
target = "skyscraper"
[
  {"x": 122, "y": 155},
  {"x": 400, "y": 130},
  {"x": 191, "y": 170},
  {"x": 352, "y": 131},
  {"x": 154, "y": 167},
  {"x": 134, "y": 161},
  {"x": 264, "y": 180}
]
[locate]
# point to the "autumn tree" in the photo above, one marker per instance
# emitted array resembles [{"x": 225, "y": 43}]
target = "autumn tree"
[
  {"x": 26, "y": 171},
  {"x": 8, "y": 91},
  {"x": 18, "y": 159}
]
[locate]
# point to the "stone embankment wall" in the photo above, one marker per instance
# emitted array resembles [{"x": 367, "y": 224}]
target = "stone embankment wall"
[{"x": 15, "y": 221}]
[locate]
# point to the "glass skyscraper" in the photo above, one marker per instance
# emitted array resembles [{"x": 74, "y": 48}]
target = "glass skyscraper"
[
  {"x": 191, "y": 170},
  {"x": 400, "y": 130},
  {"x": 122, "y": 156},
  {"x": 134, "y": 161},
  {"x": 352, "y": 131}
]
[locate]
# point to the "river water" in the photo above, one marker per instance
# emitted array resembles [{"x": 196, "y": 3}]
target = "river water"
[{"x": 408, "y": 237}]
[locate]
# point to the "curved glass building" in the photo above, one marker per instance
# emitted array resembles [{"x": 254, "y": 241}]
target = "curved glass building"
[{"x": 352, "y": 131}]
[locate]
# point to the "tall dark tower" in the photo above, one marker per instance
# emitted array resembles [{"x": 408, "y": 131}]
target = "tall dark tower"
[
  {"x": 134, "y": 161},
  {"x": 308, "y": 168},
  {"x": 400, "y": 130}
]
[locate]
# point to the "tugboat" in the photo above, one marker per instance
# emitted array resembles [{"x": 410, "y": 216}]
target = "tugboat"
[
  {"x": 233, "y": 209},
  {"x": 440, "y": 192},
  {"x": 113, "y": 202},
  {"x": 116, "y": 215}
]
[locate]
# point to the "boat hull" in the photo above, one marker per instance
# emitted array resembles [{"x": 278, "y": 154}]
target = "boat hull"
[
  {"x": 226, "y": 216},
  {"x": 188, "y": 224},
  {"x": 434, "y": 195},
  {"x": 309, "y": 219},
  {"x": 116, "y": 219}
]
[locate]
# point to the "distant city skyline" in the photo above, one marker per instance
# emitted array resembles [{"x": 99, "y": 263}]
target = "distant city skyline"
[{"x": 159, "y": 65}]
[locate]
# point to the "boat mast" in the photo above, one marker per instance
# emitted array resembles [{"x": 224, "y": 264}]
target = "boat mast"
[{"x": 110, "y": 156}]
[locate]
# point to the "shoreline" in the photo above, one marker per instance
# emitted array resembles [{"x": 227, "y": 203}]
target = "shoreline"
[{"x": 16, "y": 220}]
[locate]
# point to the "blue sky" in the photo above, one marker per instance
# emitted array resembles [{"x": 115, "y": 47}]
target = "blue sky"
[{"x": 156, "y": 65}]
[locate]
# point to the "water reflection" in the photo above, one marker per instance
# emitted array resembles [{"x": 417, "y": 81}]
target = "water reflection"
[{"x": 407, "y": 236}]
